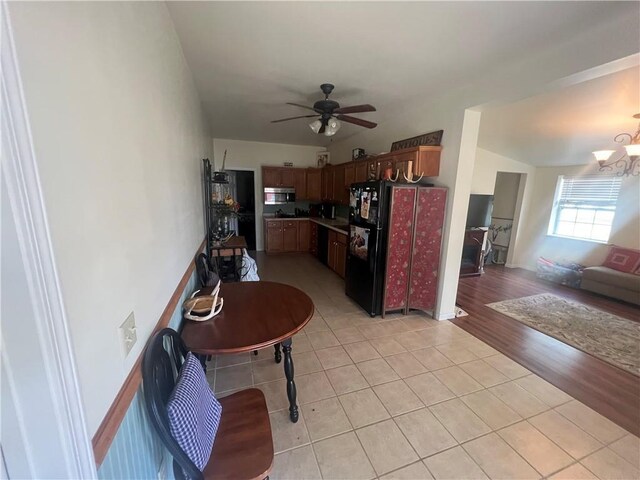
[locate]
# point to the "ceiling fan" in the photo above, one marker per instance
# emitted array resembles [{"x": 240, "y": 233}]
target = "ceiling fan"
[{"x": 331, "y": 114}]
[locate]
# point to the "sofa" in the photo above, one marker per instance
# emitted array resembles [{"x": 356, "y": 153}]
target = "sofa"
[{"x": 618, "y": 277}]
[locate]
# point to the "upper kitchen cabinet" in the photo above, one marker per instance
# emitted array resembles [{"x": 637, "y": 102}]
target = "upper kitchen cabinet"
[
  {"x": 279, "y": 176},
  {"x": 273, "y": 177},
  {"x": 339, "y": 189},
  {"x": 361, "y": 171},
  {"x": 349, "y": 174},
  {"x": 424, "y": 160},
  {"x": 327, "y": 183},
  {"x": 300, "y": 183},
  {"x": 314, "y": 184}
]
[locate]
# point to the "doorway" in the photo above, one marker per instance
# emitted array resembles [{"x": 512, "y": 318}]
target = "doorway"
[
  {"x": 503, "y": 217},
  {"x": 242, "y": 189}
]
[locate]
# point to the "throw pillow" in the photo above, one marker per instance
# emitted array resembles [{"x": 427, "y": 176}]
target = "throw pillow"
[
  {"x": 625, "y": 260},
  {"x": 194, "y": 412}
]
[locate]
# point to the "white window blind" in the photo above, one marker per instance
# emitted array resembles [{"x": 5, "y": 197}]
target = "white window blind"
[
  {"x": 590, "y": 190},
  {"x": 584, "y": 207}
]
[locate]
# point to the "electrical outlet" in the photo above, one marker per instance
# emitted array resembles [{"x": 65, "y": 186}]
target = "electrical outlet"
[{"x": 128, "y": 334}]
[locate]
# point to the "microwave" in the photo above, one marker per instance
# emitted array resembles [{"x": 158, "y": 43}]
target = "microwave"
[{"x": 279, "y": 196}]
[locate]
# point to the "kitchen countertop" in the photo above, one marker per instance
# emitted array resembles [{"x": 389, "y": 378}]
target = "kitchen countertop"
[
  {"x": 325, "y": 222},
  {"x": 332, "y": 224},
  {"x": 273, "y": 217}
]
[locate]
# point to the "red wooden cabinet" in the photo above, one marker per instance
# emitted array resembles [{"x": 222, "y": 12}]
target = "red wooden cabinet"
[{"x": 416, "y": 219}]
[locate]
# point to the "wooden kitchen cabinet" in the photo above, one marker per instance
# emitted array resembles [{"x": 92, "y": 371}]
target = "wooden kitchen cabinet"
[
  {"x": 337, "y": 252},
  {"x": 331, "y": 250},
  {"x": 290, "y": 236},
  {"x": 360, "y": 171},
  {"x": 313, "y": 238},
  {"x": 425, "y": 160},
  {"x": 300, "y": 183},
  {"x": 314, "y": 184},
  {"x": 327, "y": 183},
  {"x": 287, "y": 177},
  {"x": 341, "y": 255},
  {"x": 304, "y": 232},
  {"x": 282, "y": 177},
  {"x": 349, "y": 175},
  {"x": 271, "y": 177},
  {"x": 338, "y": 185},
  {"x": 274, "y": 236}
]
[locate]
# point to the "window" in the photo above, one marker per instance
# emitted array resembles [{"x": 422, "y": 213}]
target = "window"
[{"x": 584, "y": 207}]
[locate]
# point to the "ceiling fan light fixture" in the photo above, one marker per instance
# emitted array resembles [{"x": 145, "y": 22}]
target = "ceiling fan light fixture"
[
  {"x": 332, "y": 127},
  {"x": 315, "y": 126}
]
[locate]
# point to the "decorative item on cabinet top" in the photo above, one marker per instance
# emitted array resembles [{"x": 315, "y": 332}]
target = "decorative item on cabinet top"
[
  {"x": 323, "y": 159},
  {"x": 431, "y": 139},
  {"x": 357, "y": 153}
]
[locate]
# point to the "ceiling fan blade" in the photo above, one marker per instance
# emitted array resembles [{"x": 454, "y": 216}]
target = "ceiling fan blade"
[
  {"x": 294, "y": 118},
  {"x": 303, "y": 106},
  {"x": 357, "y": 121},
  {"x": 322, "y": 128},
  {"x": 356, "y": 109}
]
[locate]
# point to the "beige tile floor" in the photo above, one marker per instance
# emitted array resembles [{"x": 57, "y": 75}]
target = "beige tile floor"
[{"x": 413, "y": 398}]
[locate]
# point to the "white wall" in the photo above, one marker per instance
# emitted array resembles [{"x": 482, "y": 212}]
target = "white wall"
[
  {"x": 505, "y": 194},
  {"x": 119, "y": 136},
  {"x": 530, "y": 74},
  {"x": 487, "y": 166},
  {"x": 485, "y": 173},
  {"x": 625, "y": 231},
  {"x": 242, "y": 155}
]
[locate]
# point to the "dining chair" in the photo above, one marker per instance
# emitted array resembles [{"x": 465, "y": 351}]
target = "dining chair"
[{"x": 243, "y": 446}]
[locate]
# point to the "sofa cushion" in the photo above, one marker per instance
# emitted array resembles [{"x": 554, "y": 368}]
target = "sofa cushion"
[
  {"x": 625, "y": 260},
  {"x": 612, "y": 277}
]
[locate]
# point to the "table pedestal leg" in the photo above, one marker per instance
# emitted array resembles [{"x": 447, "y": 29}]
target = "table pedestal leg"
[
  {"x": 277, "y": 354},
  {"x": 291, "y": 386}
]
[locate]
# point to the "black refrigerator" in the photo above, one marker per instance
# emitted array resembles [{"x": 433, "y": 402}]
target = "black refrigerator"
[{"x": 368, "y": 217}]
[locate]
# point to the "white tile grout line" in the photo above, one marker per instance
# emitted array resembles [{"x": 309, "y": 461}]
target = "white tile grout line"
[{"x": 449, "y": 341}]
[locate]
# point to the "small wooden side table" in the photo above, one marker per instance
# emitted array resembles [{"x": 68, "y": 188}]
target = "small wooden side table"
[{"x": 232, "y": 248}]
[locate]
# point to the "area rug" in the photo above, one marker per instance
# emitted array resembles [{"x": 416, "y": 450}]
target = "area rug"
[{"x": 611, "y": 338}]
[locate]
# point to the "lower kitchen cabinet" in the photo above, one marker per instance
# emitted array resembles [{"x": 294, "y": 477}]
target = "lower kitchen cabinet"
[
  {"x": 303, "y": 236},
  {"x": 290, "y": 236},
  {"x": 274, "y": 238},
  {"x": 337, "y": 253},
  {"x": 285, "y": 235},
  {"x": 313, "y": 238}
]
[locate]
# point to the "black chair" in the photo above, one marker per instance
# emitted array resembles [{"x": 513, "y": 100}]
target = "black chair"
[{"x": 243, "y": 448}]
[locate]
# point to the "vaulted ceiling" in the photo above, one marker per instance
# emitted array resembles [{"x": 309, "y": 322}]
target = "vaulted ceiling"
[
  {"x": 564, "y": 126},
  {"x": 250, "y": 58}
]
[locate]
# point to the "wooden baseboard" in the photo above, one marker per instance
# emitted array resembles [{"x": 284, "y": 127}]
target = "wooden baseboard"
[{"x": 111, "y": 423}]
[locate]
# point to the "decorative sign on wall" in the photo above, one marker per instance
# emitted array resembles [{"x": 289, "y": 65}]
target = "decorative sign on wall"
[{"x": 431, "y": 139}]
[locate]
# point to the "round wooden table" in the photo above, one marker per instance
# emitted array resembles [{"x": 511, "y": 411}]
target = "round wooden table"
[{"x": 255, "y": 315}]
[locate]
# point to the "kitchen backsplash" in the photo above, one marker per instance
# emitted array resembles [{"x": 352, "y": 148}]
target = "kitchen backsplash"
[{"x": 287, "y": 208}]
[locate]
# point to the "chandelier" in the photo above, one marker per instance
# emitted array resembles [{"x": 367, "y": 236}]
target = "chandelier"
[{"x": 629, "y": 162}]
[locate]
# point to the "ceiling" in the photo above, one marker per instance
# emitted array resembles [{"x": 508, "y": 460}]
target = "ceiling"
[
  {"x": 249, "y": 58},
  {"x": 563, "y": 127}
]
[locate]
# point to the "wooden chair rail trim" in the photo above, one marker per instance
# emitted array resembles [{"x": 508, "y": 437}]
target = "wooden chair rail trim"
[{"x": 109, "y": 427}]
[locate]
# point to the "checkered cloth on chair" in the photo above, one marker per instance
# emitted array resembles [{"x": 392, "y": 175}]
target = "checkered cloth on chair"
[{"x": 194, "y": 413}]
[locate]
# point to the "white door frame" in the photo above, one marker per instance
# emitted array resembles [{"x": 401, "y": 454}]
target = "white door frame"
[{"x": 24, "y": 191}]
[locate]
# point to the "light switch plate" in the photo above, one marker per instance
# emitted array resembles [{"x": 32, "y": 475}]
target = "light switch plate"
[{"x": 128, "y": 334}]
